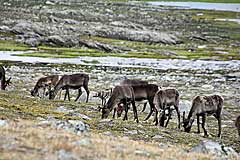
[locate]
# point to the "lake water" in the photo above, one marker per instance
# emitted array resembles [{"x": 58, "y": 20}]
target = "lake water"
[
  {"x": 235, "y": 7},
  {"x": 163, "y": 64}
]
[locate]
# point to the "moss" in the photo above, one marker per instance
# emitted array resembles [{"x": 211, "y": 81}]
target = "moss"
[{"x": 12, "y": 46}]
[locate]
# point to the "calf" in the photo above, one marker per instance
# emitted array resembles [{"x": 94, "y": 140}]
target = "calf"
[
  {"x": 45, "y": 82},
  {"x": 163, "y": 100},
  {"x": 202, "y": 106},
  {"x": 121, "y": 95}
]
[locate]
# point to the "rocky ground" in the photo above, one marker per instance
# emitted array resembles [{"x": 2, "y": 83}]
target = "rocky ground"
[{"x": 34, "y": 128}]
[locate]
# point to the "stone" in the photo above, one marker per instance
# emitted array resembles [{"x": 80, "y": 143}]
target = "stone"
[
  {"x": 82, "y": 116},
  {"x": 3, "y": 123},
  {"x": 211, "y": 147},
  {"x": 65, "y": 155},
  {"x": 157, "y": 137},
  {"x": 142, "y": 153}
]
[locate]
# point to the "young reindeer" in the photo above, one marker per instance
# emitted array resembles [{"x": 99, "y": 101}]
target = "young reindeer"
[
  {"x": 163, "y": 100},
  {"x": 237, "y": 124},
  {"x": 4, "y": 82},
  {"x": 74, "y": 81},
  {"x": 123, "y": 95},
  {"x": 202, "y": 106},
  {"x": 45, "y": 82}
]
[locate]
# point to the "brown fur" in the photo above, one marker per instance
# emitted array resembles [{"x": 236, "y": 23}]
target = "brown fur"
[
  {"x": 163, "y": 100},
  {"x": 4, "y": 82},
  {"x": 74, "y": 81},
  {"x": 120, "y": 95},
  {"x": 45, "y": 82},
  {"x": 237, "y": 124},
  {"x": 203, "y": 106}
]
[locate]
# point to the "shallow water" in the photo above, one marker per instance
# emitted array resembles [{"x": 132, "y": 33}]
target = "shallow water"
[
  {"x": 163, "y": 64},
  {"x": 235, "y": 7}
]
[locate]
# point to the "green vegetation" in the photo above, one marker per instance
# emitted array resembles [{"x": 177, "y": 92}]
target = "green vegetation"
[{"x": 12, "y": 46}]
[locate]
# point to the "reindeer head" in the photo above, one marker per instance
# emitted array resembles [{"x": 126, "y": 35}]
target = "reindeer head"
[
  {"x": 120, "y": 109},
  {"x": 187, "y": 123}
]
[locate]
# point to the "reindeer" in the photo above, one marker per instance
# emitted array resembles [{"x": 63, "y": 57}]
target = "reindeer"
[
  {"x": 74, "y": 81},
  {"x": 45, "y": 82},
  {"x": 123, "y": 95},
  {"x": 202, "y": 106},
  {"x": 134, "y": 82},
  {"x": 4, "y": 82},
  {"x": 237, "y": 124},
  {"x": 163, "y": 100}
]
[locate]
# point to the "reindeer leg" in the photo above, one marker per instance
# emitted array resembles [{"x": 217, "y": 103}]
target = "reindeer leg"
[
  {"x": 87, "y": 90},
  {"x": 79, "y": 94},
  {"x": 66, "y": 92},
  {"x": 144, "y": 107},
  {"x": 203, "y": 125},
  {"x": 198, "y": 124},
  {"x": 178, "y": 114},
  {"x": 114, "y": 112},
  {"x": 219, "y": 119},
  {"x": 44, "y": 89},
  {"x": 162, "y": 118},
  {"x": 156, "y": 118},
  {"x": 126, "y": 111},
  {"x": 134, "y": 110},
  {"x": 169, "y": 116},
  {"x": 151, "y": 111}
]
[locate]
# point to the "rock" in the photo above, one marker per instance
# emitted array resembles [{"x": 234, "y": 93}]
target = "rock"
[
  {"x": 78, "y": 115},
  {"x": 83, "y": 142},
  {"x": 157, "y": 137},
  {"x": 211, "y": 147},
  {"x": 75, "y": 126},
  {"x": 131, "y": 132},
  {"x": 64, "y": 155},
  {"x": 142, "y": 153},
  {"x": 3, "y": 123},
  {"x": 105, "y": 120},
  {"x": 63, "y": 109}
]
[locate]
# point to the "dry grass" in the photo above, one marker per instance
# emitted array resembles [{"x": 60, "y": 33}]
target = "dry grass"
[{"x": 25, "y": 139}]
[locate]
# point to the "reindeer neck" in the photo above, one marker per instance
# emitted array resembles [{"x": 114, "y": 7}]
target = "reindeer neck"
[{"x": 111, "y": 102}]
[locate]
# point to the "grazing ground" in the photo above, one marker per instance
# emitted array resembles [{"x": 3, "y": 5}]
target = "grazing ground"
[
  {"x": 27, "y": 135},
  {"x": 202, "y": 45}
]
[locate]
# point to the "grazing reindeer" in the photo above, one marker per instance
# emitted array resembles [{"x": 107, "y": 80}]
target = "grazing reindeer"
[
  {"x": 45, "y": 82},
  {"x": 123, "y": 95},
  {"x": 103, "y": 95},
  {"x": 163, "y": 100},
  {"x": 134, "y": 82},
  {"x": 202, "y": 106},
  {"x": 237, "y": 124},
  {"x": 4, "y": 82},
  {"x": 74, "y": 81}
]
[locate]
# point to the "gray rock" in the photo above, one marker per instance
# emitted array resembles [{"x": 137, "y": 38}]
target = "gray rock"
[
  {"x": 64, "y": 155},
  {"x": 131, "y": 132},
  {"x": 3, "y": 123},
  {"x": 142, "y": 153},
  {"x": 157, "y": 137},
  {"x": 105, "y": 120},
  {"x": 78, "y": 115},
  {"x": 83, "y": 142},
  {"x": 63, "y": 109},
  {"x": 211, "y": 147}
]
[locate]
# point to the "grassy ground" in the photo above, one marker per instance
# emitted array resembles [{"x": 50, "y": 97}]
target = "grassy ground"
[{"x": 117, "y": 138}]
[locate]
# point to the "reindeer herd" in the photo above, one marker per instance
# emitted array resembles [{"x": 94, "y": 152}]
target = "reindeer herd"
[{"x": 127, "y": 93}]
